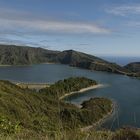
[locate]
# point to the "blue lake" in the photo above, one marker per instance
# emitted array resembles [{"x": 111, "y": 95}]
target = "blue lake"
[{"x": 124, "y": 90}]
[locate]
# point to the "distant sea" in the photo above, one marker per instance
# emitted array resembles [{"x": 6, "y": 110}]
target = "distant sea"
[{"x": 121, "y": 60}]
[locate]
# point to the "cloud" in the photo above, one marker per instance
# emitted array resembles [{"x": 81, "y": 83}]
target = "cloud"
[
  {"x": 134, "y": 24},
  {"x": 124, "y": 10},
  {"x": 84, "y": 44},
  {"x": 12, "y": 20},
  {"x": 53, "y": 26},
  {"x": 23, "y": 42}
]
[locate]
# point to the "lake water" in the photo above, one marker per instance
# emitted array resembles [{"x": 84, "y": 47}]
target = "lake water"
[{"x": 124, "y": 90}]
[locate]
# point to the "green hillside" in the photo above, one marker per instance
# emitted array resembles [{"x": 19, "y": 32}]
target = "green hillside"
[
  {"x": 19, "y": 55},
  {"x": 24, "y": 112},
  {"x": 134, "y": 67}
]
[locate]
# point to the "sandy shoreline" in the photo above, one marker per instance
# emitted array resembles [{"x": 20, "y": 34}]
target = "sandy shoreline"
[
  {"x": 34, "y": 86},
  {"x": 82, "y": 90}
]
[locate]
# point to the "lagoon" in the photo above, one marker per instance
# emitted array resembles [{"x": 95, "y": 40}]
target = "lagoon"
[{"x": 122, "y": 89}]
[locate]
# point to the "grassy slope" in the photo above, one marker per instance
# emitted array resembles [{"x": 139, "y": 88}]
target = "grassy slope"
[
  {"x": 27, "y": 115},
  {"x": 36, "y": 112},
  {"x": 21, "y": 55}
]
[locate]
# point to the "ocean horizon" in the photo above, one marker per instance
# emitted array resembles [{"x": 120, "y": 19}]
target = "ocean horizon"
[{"x": 121, "y": 60}]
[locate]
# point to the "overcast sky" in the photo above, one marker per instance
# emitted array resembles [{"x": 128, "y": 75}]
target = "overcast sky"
[{"x": 99, "y": 27}]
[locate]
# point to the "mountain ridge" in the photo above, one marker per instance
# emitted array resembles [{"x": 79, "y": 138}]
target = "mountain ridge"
[
  {"x": 134, "y": 67},
  {"x": 20, "y": 55}
]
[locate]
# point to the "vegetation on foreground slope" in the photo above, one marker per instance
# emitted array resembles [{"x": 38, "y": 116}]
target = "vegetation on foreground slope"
[
  {"x": 29, "y": 115},
  {"x": 25, "y": 113}
]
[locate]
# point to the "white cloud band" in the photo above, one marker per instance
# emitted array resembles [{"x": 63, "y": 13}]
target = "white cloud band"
[
  {"x": 54, "y": 26},
  {"x": 125, "y": 10}
]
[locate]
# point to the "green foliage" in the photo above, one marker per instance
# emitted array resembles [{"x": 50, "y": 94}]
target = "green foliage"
[
  {"x": 40, "y": 114},
  {"x": 69, "y": 85},
  {"x": 91, "y": 112},
  {"x": 22, "y": 55},
  {"x": 126, "y": 134},
  {"x": 7, "y": 127}
]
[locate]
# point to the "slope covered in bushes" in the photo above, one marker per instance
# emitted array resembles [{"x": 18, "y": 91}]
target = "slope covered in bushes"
[{"x": 38, "y": 113}]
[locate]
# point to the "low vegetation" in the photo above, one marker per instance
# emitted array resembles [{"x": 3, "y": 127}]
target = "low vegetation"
[
  {"x": 28, "y": 114},
  {"x": 69, "y": 85}
]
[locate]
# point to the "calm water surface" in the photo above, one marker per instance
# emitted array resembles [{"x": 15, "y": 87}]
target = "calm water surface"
[{"x": 124, "y": 90}]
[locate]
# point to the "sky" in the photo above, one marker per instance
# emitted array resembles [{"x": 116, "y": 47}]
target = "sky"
[{"x": 98, "y": 27}]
